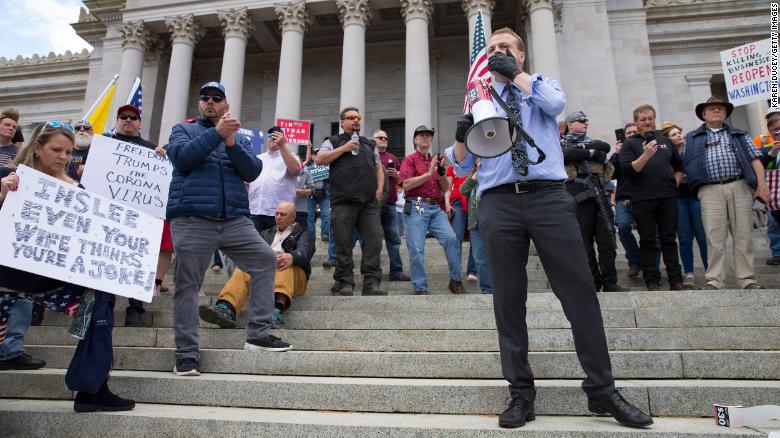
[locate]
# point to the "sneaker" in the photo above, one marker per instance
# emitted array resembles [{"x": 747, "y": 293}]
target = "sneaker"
[
  {"x": 399, "y": 277},
  {"x": 472, "y": 277},
  {"x": 186, "y": 367},
  {"x": 345, "y": 290},
  {"x": 268, "y": 343},
  {"x": 277, "y": 319},
  {"x": 372, "y": 289},
  {"x": 22, "y": 362},
  {"x": 104, "y": 400},
  {"x": 456, "y": 287},
  {"x": 688, "y": 282},
  {"x": 328, "y": 264},
  {"x": 134, "y": 317},
  {"x": 221, "y": 314}
]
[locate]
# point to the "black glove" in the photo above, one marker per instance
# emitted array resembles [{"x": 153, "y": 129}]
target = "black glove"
[
  {"x": 463, "y": 125},
  {"x": 505, "y": 65},
  {"x": 599, "y": 156}
]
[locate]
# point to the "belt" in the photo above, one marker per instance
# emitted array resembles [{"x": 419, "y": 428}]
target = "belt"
[
  {"x": 725, "y": 181},
  {"x": 430, "y": 201},
  {"x": 524, "y": 186}
]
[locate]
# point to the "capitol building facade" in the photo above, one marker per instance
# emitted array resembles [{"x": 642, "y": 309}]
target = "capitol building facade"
[{"x": 402, "y": 62}]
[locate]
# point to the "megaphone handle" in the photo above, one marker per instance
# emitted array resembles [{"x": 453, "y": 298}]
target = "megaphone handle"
[{"x": 515, "y": 124}]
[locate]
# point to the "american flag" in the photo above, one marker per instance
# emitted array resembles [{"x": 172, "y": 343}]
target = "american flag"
[
  {"x": 135, "y": 97},
  {"x": 479, "y": 59}
]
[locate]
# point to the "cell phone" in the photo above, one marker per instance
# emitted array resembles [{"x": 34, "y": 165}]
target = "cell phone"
[
  {"x": 620, "y": 134},
  {"x": 649, "y": 136}
]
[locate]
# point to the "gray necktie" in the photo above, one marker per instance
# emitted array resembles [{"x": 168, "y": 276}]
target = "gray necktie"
[{"x": 519, "y": 154}]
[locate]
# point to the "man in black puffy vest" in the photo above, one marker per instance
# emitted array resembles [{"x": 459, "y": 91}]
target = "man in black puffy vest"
[{"x": 356, "y": 183}]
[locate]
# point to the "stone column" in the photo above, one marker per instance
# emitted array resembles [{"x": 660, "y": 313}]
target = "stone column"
[
  {"x": 471, "y": 8},
  {"x": 756, "y": 113},
  {"x": 544, "y": 50},
  {"x": 355, "y": 16},
  {"x": 136, "y": 39},
  {"x": 417, "y": 108},
  {"x": 293, "y": 22},
  {"x": 236, "y": 25},
  {"x": 185, "y": 33}
]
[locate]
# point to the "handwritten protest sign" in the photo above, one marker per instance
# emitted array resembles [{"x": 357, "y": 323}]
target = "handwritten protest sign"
[
  {"x": 61, "y": 231},
  {"x": 295, "y": 131},
  {"x": 747, "y": 72},
  {"x": 124, "y": 172},
  {"x": 256, "y": 137},
  {"x": 319, "y": 173}
]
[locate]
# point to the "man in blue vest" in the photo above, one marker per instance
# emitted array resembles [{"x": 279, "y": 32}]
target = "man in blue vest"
[{"x": 725, "y": 172}]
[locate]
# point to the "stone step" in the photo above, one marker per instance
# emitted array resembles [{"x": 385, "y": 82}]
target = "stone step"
[
  {"x": 679, "y": 397},
  {"x": 484, "y": 319},
  {"x": 546, "y": 365},
  {"x": 449, "y": 302},
  {"x": 173, "y": 421},
  {"x": 619, "y": 339}
]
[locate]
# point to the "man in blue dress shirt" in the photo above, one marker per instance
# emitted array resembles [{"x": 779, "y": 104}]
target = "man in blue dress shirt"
[{"x": 520, "y": 203}]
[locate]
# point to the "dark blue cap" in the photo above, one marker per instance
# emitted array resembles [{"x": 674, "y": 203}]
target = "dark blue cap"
[{"x": 213, "y": 85}]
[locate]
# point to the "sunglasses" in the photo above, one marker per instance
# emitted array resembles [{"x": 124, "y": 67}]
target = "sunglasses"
[
  {"x": 206, "y": 97},
  {"x": 59, "y": 125},
  {"x": 82, "y": 128},
  {"x": 354, "y": 117},
  {"x": 128, "y": 117},
  {"x": 380, "y": 138}
]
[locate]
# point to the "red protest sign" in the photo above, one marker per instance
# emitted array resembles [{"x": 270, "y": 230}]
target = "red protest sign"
[{"x": 295, "y": 131}]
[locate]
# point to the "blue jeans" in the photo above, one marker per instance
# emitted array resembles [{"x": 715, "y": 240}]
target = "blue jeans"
[
  {"x": 389, "y": 219},
  {"x": 324, "y": 202},
  {"x": 773, "y": 233},
  {"x": 18, "y": 324},
  {"x": 624, "y": 219},
  {"x": 478, "y": 248},
  {"x": 418, "y": 224},
  {"x": 690, "y": 225},
  {"x": 460, "y": 220},
  {"x": 401, "y": 222}
]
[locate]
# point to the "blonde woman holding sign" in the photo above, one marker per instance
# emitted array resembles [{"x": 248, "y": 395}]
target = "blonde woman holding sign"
[{"x": 49, "y": 151}]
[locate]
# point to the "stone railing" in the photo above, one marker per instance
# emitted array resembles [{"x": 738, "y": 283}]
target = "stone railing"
[{"x": 51, "y": 58}]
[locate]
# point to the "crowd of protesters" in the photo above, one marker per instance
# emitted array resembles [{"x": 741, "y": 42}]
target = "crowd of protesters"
[{"x": 257, "y": 214}]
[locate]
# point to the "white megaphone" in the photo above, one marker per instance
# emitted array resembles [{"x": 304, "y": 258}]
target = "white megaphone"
[{"x": 490, "y": 136}]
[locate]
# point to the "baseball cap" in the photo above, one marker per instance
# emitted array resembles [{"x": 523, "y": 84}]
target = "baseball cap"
[
  {"x": 423, "y": 128},
  {"x": 574, "y": 116},
  {"x": 771, "y": 111},
  {"x": 213, "y": 85},
  {"x": 128, "y": 107}
]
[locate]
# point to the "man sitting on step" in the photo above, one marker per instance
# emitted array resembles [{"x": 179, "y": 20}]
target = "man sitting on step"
[{"x": 294, "y": 247}]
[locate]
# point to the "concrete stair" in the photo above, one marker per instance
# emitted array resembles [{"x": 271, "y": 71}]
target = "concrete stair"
[{"x": 427, "y": 366}]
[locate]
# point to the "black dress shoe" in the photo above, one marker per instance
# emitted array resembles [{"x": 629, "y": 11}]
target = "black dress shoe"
[
  {"x": 519, "y": 411},
  {"x": 614, "y": 404},
  {"x": 614, "y": 287},
  {"x": 104, "y": 400},
  {"x": 22, "y": 362}
]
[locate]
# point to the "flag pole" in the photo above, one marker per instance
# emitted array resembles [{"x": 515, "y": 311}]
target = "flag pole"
[{"x": 100, "y": 98}]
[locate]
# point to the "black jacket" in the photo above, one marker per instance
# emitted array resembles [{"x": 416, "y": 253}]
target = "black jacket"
[
  {"x": 300, "y": 243},
  {"x": 656, "y": 180}
]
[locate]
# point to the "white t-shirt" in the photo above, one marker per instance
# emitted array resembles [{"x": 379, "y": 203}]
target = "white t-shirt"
[{"x": 273, "y": 186}]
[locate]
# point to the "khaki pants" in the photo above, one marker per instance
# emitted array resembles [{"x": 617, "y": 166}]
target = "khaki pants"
[
  {"x": 290, "y": 283},
  {"x": 728, "y": 209}
]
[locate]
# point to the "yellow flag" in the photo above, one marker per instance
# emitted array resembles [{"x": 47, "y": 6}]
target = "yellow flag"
[{"x": 99, "y": 115}]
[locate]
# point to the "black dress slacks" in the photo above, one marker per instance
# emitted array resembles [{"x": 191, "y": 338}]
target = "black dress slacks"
[{"x": 547, "y": 217}]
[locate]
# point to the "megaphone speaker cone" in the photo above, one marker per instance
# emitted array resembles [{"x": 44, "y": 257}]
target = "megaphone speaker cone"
[{"x": 489, "y": 137}]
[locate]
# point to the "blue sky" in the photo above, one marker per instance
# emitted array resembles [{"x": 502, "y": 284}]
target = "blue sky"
[{"x": 39, "y": 26}]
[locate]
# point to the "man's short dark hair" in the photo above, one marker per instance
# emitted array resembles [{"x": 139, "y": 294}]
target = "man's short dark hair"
[
  {"x": 628, "y": 125},
  {"x": 346, "y": 110},
  {"x": 509, "y": 31},
  {"x": 10, "y": 113}
]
